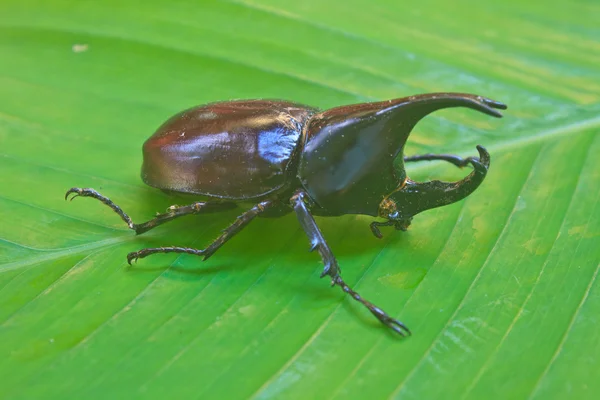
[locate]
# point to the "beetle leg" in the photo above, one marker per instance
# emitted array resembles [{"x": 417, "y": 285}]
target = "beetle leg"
[
  {"x": 331, "y": 266},
  {"x": 456, "y": 160},
  {"x": 174, "y": 211},
  {"x": 227, "y": 234}
]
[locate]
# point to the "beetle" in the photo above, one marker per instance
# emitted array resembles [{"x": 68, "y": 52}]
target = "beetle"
[{"x": 288, "y": 157}]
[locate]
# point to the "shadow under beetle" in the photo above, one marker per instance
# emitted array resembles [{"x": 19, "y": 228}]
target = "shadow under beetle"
[{"x": 284, "y": 157}]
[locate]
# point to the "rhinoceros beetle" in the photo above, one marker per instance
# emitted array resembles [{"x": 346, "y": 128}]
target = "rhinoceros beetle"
[{"x": 284, "y": 156}]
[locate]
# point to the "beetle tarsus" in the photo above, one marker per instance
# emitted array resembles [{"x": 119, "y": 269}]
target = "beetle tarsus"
[
  {"x": 89, "y": 192},
  {"x": 381, "y": 315},
  {"x": 134, "y": 256}
]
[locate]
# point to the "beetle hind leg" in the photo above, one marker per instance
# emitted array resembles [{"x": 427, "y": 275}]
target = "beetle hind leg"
[
  {"x": 173, "y": 213},
  {"x": 331, "y": 266},
  {"x": 227, "y": 234}
]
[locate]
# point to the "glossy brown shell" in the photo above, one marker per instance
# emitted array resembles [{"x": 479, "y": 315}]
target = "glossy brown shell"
[{"x": 232, "y": 150}]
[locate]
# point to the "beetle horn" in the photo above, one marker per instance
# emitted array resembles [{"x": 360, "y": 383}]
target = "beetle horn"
[
  {"x": 406, "y": 113},
  {"x": 415, "y": 197},
  {"x": 390, "y": 122}
]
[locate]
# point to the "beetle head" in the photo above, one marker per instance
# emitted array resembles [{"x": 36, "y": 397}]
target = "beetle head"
[{"x": 347, "y": 165}]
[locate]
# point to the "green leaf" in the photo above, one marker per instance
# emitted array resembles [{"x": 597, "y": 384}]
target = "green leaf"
[{"x": 500, "y": 290}]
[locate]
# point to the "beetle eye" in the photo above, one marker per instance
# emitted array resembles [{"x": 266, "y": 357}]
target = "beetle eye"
[{"x": 394, "y": 215}]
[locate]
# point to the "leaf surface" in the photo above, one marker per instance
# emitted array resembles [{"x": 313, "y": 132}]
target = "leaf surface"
[{"x": 500, "y": 290}]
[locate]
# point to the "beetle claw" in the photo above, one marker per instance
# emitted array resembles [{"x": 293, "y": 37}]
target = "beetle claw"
[
  {"x": 398, "y": 327},
  {"x": 390, "y": 322},
  {"x": 132, "y": 257},
  {"x": 77, "y": 192},
  {"x": 84, "y": 193}
]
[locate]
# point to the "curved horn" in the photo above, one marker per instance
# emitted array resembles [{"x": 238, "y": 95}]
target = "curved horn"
[
  {"x": 415, "y": 197},
  {"x": 390, "y": 122},
  {"x": 409, "y": 111}
]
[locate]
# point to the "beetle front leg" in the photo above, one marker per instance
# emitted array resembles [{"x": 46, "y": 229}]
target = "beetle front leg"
[
  {"x": 332, "y": 269},
  {"x": 400, "y": 225},
  {"x": 174, "y": 211}
]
